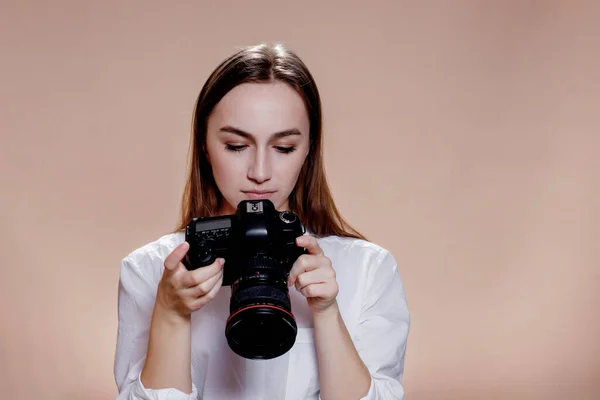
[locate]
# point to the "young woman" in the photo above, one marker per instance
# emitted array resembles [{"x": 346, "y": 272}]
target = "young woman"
[{"x": 257, "y": 135}]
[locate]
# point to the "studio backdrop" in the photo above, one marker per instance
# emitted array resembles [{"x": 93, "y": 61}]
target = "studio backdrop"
[{"x": 463, "y": 136}]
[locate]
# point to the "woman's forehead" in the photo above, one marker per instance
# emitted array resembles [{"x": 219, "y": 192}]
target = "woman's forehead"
[{"x": 261, "y": 109}]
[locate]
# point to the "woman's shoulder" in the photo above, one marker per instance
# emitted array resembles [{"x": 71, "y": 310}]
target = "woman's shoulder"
[
  {"x": 346, "y": 243},
  {"x": 156, "y": 250},
  {"x": 145, "y": 263},
  {"x": 361, "y": 266},
  {"x": 354, "y": 248}
]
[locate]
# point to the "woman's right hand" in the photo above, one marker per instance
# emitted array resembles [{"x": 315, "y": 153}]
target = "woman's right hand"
[{"x": 181, "y": 291}]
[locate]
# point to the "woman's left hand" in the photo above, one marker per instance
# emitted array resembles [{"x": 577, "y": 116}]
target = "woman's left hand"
[{"x": 314, "y": 276}]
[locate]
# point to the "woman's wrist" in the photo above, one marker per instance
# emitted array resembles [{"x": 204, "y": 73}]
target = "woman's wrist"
[
  {"x": 164, "y": 314},
  {"x": 331, "y": 312}
]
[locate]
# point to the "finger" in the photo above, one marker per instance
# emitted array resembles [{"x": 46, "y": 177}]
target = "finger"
[
  {"x": 199, "y": 275},
  {"x": 304, "y": 263},
  {"x": 320, "y": 275},
  {"x": 203, "y": 300},
  {"x": 322, "y": 290},
  {"x": 203, "y": 288},
  {"x": 173, "y": 259},
  {"x": 310, "y": 243}
]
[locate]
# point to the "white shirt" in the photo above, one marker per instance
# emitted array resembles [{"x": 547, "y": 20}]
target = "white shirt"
[{"x": 371, "y": 302}]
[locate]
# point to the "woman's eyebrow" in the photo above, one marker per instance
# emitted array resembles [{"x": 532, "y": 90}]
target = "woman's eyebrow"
[{"x": 276, "y": 135}]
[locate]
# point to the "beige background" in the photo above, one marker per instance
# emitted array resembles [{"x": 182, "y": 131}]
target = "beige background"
[{"x": 462, "y": 135}]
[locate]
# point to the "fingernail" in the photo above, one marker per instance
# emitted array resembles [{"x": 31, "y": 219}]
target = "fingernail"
[
  {"x": 222, "y": 261},
  {"x": 185, "y": 245}
]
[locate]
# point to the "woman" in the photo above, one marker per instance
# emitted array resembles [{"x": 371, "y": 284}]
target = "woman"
[{"x": 257, "y": 135}]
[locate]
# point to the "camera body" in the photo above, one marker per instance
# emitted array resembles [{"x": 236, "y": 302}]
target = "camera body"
[
  {"x": 256, "y": 229},
  {"x": 259, "y": 246}
]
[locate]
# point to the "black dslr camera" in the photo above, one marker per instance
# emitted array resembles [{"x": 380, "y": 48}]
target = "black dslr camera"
[{"x": 259, "y": 246}]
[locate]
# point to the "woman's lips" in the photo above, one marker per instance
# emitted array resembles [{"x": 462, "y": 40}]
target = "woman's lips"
[{"x": 258, "y": 195}]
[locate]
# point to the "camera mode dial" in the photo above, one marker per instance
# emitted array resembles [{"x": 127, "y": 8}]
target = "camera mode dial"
[{"x": 288, "y": 217}]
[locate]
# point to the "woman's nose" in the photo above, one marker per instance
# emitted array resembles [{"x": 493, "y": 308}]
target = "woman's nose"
[{"x": 260, "y": 168}]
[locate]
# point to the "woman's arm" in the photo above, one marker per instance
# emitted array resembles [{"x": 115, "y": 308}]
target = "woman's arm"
[
  {"x": 370, "y": 365},
  {"x": 142, "y": 327},
  {"x": 168, "y": 360},
  {"x": 382, "y": 331},
  {"x": 342, "y": 373},
  {"x": 169, "y": 352},
  {"x": 153, "y": 355}
]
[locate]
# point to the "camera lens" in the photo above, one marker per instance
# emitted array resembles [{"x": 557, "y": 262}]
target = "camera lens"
[{"x": 261, "y": 324}]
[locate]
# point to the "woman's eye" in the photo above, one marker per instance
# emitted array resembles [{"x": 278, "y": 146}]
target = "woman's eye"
[
  {"x": 240, "y": 147},
  {"x": 232, "y": 147},
  {"x": 285, "y": 149}
]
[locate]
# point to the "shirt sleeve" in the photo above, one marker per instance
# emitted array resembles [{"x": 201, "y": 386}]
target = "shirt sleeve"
[
  {"x": 136, "y": 298},
  {"x": 382, "y": 330}
]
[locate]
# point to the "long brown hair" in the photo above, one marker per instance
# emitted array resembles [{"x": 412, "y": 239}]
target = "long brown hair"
[{"x": 311, "y": 198}]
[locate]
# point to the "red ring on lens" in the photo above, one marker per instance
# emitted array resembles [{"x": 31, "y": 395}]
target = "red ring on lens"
[{"x": 259, "y": 306}]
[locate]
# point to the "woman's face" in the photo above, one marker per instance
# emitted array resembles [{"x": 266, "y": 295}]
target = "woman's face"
[{"x": 257, "y": 140}]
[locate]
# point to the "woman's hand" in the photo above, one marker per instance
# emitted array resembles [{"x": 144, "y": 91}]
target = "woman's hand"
[
  {"x": 314, "y": 276},
  {"x": 182, "y": 291}
]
